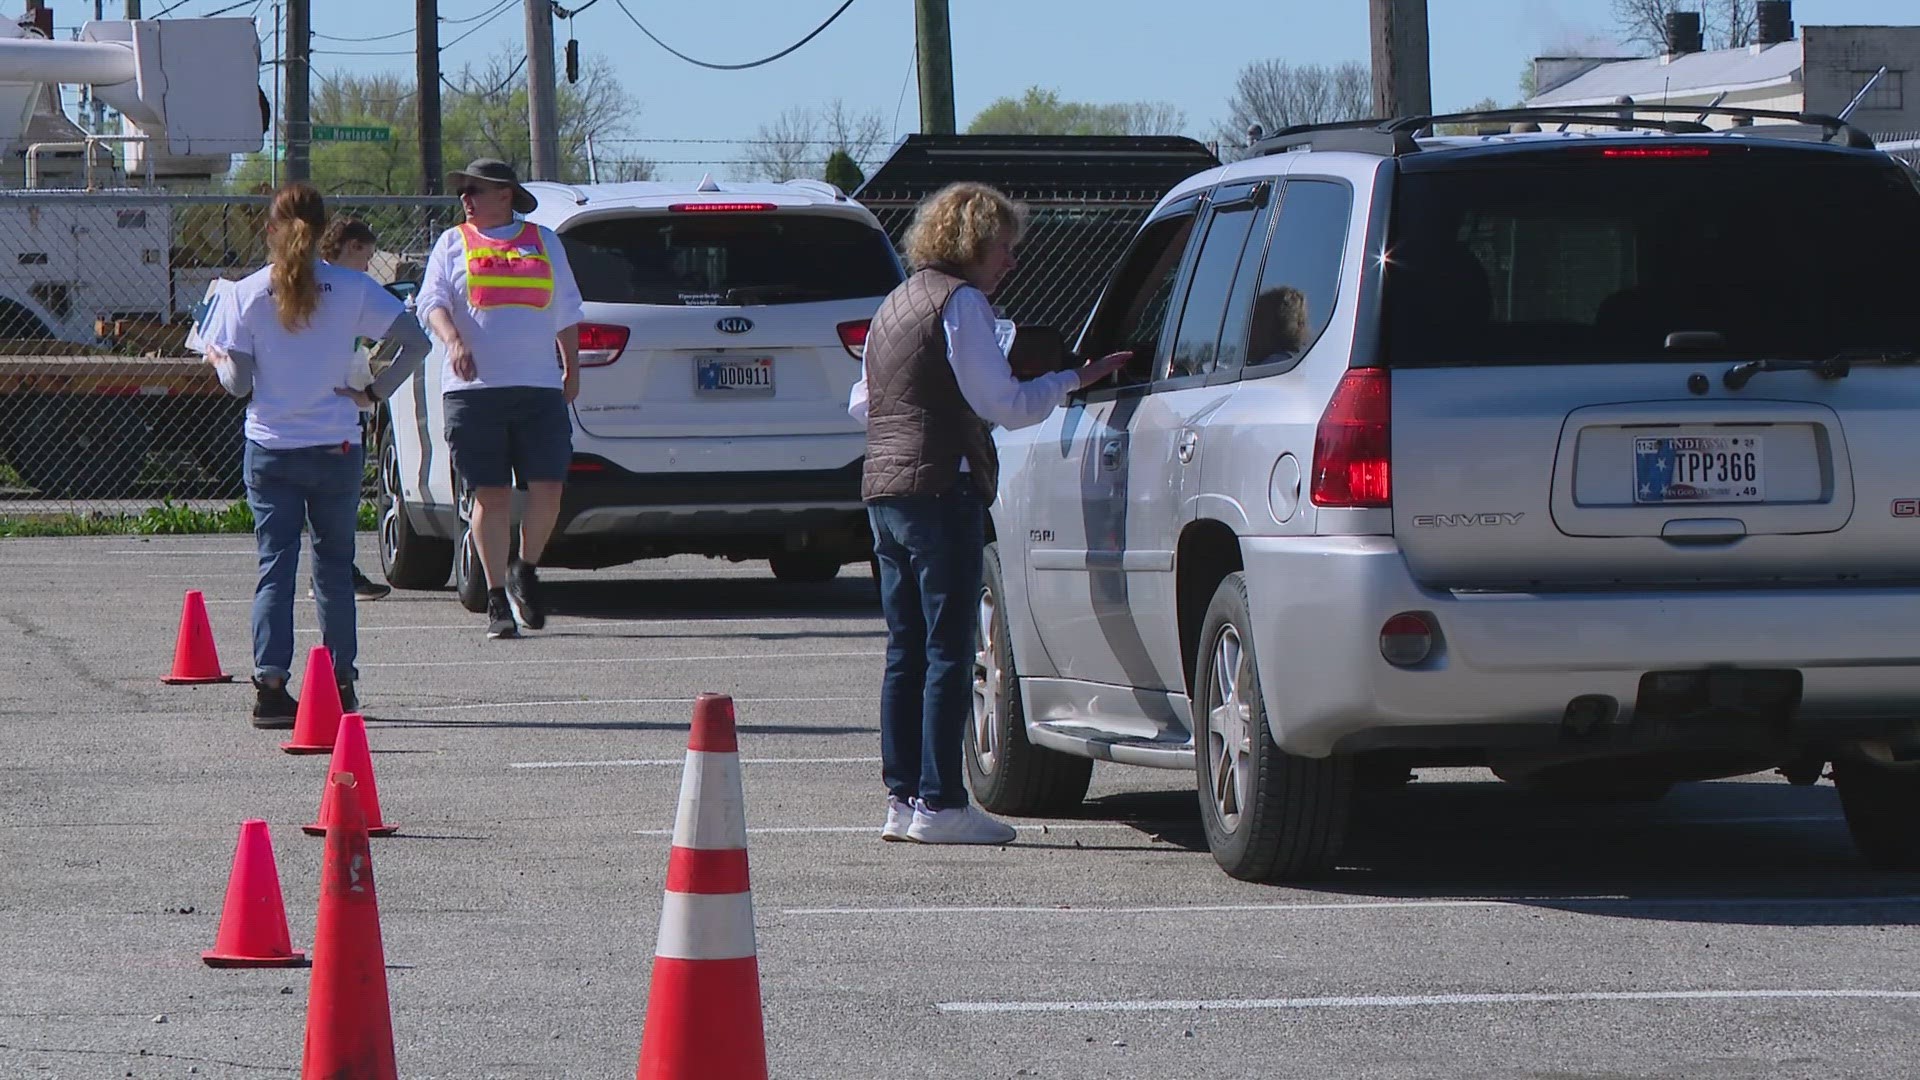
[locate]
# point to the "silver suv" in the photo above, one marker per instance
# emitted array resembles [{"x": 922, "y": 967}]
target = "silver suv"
[{"x": 1585, "y": 455}]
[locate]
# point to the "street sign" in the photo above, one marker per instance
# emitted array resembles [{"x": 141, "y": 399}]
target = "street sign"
[{"x": 339, "y": 133}]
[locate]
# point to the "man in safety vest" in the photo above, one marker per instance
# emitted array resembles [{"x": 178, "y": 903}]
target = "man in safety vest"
[{"x": 499, "y": 295}]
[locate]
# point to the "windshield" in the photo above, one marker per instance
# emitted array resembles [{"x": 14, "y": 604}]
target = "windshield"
[
  {"x": 731, "y": 258},
  {"x": 1600, "y": 262}
]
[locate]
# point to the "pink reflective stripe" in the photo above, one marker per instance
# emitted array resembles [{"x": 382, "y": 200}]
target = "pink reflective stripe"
[{"x": 496, "y": 269}]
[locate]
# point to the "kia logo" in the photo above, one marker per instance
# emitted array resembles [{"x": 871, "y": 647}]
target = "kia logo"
[
  {"x": 1906, "y": 508},
  {"x": 734, "y": 324}
]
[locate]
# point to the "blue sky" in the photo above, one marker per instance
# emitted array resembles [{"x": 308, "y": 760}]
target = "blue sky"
[{"x": 1093, "y": 50}]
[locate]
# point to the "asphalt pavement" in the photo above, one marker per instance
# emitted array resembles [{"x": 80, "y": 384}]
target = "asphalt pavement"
[{"x": 1473, "y": 931}]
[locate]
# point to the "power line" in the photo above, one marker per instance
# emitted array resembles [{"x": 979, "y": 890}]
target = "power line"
[
  {"x": 230, "y": 7},
  {"x": 164, "y": 10},
  {"x": 496, "y": 13},
  {"x": 476, "y": 18},
  {"x": 376, "y": 37},
  {"x": 361, "y": 52},
  {"x": 622, "y": 4}
]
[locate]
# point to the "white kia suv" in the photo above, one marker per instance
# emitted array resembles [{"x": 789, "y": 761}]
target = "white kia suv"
[
  {"x": 723, "y": 331},
  {"x": 1583, "y": 454}
]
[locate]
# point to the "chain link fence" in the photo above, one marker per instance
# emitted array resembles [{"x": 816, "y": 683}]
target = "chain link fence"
[
  {"x": 1070, "y": 246},
  {"x": 102, "y": 409}
]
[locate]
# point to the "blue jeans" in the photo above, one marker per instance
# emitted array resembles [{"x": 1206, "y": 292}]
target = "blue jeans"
[
  {"x": 288, "y": 489},
  {"x": 929, "y": 549}
]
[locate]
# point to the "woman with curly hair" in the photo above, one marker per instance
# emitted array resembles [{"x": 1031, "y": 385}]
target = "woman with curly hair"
[{"x": 932, "y": 384}]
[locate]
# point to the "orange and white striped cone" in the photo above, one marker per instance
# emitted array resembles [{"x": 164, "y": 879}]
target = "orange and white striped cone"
[{"x": 703, "y": 1007}]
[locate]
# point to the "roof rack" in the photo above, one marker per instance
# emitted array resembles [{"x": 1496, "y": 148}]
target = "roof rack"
[{"x": 1398, "y": 136}]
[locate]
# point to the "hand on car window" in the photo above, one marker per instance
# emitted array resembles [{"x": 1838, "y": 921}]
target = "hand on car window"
[{"x": 1095, "y": 370}]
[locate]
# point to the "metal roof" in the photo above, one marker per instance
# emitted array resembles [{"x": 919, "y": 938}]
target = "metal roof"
[
  {"x": 1649, "y": 78},
  {"x": 1039, "y": 167}
]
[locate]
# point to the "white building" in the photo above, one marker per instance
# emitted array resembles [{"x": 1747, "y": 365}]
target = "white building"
[{"x": 1819, "y": 71}]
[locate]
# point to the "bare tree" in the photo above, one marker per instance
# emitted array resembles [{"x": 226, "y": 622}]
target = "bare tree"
[
  {"x": 1726, "y": 24},
  {"x": 1275, "y": 94},
  {"x": 862, "y": 135},
  {"x": 781, "y": 150},
  {"x": 1734, "y": 23},
  {"x": 802, "y": 138},
  {"x": 1152, "y": 118}
]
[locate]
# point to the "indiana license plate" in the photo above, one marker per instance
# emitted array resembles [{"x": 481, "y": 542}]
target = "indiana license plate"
[
  {"x": 734, "y": 376},
  {"x": 1698, "y": 469}
]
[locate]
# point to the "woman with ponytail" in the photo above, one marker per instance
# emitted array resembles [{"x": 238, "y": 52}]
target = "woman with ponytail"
[{"x": 287, "y": 335}]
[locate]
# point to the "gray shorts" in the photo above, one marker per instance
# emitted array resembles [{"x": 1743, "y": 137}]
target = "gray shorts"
[{"x": 501, "y": 433}]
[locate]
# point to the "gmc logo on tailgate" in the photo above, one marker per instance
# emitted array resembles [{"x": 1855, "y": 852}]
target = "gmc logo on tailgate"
[{"x": 1906, "y": 508}]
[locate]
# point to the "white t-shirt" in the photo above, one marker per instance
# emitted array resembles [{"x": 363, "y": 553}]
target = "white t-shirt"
[
  {"x": 296, "y": 372},
  {"x": 512, "y": 346}
]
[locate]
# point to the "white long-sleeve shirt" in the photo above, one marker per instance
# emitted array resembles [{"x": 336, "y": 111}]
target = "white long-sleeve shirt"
[
  {"x": 512, "y": 346},
  {"x": 986, "y": 381}
]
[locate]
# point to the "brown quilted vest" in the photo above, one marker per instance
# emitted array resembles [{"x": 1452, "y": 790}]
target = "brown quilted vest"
[{"x": 919, "y": 425}]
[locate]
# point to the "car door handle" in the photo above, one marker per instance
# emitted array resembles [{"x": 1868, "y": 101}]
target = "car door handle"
[
  {"x": 1189, "y": 442},
  {"x": 1110, "y": 454}
]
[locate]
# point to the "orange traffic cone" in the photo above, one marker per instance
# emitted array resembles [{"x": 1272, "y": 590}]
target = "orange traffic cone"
[
  {"x": 703, "y": 1008},
  {"x": 351, "y": 755},
  {"x": 195, "y": 660},
  {"x": 349, "y": 1019},
  {"x": 253, "y": 923},
  {"x": 318, "y": 718}
]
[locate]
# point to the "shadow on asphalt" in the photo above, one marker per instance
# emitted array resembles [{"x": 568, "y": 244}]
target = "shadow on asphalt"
[
  {"x": 851, "y": 594},
  {"x": 1754, "y": 853},
  {"x": 398, "y": 722}
]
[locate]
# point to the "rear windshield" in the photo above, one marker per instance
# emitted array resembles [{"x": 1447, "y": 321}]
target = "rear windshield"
[
  {"x": 729, "y": 258},
  {"x": 1600, "y": 262}
]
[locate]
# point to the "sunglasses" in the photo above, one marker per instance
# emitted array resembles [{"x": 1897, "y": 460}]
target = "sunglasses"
[{"x": 474, "y": 191}]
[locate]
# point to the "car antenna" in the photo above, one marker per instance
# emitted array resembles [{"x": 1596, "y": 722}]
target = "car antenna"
[{"x": 1862, "y": 95}]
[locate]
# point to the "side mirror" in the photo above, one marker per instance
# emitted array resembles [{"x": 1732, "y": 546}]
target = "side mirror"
[
  {"x": 1037, "y": 351},
  {"x": 403, "y": 290}
]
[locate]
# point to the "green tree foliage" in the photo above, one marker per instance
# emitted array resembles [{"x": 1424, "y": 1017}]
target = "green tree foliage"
[
  {"x": 843, "y": 172},
  {"x": 1040, "y": 111},
  {"x": 483, "y": 114}
]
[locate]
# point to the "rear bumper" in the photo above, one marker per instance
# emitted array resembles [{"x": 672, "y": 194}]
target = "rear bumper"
[
  {"x": 1507, "y": 666},
  {"x": 602, "y": 499}
]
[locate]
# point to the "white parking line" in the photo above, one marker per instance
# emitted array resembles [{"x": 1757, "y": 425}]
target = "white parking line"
[
  {"x": 544, "y": 660},
  {"x": 1416, "y": 1001},
  {"x": 630, "y": 762},
  {"x": 624, "y": 701},
  {"x": 872, "y": 830},
  {"x": 1528, "y": 903}
]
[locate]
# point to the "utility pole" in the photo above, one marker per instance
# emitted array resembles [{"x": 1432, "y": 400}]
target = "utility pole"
[
  {"x": 426, "y": 19},
  {"x": 133, "y": 9},
  {"x": 543, "y": 111},
  {"x": 1402, "y": 84},
  {"x": 299, "y": 68},
  {"x": 933, "y": 49}
]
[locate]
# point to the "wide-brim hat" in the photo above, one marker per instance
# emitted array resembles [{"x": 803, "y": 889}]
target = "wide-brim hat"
[{"x": 495, "y": 171}]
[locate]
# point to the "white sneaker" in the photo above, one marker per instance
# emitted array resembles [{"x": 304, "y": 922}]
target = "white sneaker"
[
  {"x": 962, "y": 825},
  {"x": 899, "y": 816}
]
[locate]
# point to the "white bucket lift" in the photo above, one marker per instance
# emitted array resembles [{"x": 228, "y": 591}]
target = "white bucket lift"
[{"x": 188, "y": 90}]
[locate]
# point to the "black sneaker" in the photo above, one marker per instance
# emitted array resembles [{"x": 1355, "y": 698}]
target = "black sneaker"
[
  {"x": 349, "y": 701},
  {"x": 500, "y": 622},
  {"x": 523, "y": 595},
  {"x": 365, "y": 588},
  {"x": 273, "y": 707}
]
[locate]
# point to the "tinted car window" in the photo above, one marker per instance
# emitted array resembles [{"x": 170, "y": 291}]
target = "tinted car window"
[
  {"x": 729, "y": 258},
  {"x": 1134, "y": 311},
  {"x": 1195, "y": 349},
  {"x": 1300, "y": 281},
  {"x": 1601, "y": 262}
]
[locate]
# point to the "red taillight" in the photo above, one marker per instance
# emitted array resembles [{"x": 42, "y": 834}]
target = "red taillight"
[
  {"x": 586, "y": 465},
  {"x": 854, "y": 336},
  {"x": 1406, "y": 639},
  {"x": 720, "y": 207},
  {"x": 601, "y": 344},
  {"x": 1352, "y": 459},
  {"x": 1656, "y": 152}
]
